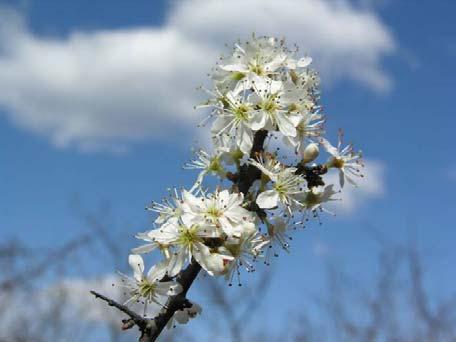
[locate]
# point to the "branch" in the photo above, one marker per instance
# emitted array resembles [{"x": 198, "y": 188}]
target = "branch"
[
  {"x": 141, "y": 322},
  {"x": 152, "y": 328}
]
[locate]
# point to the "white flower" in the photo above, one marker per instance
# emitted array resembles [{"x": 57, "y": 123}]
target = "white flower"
[
  {"x": 222, "y": 209},
  {"x": 310, "y": 126},
  {"x": 170, "y": 208},
  {"x": 150, "y": 246},
  {"x": 184, "y": 315},
  {"x": 314, "y": 198},
  {"x": 208, "y": 164},
  {"x": 146, "y": 289},
  {"x": 244, "y": 250},
  {"x": 345, "y": 159},
  {"x": 259, "y": 57},
  {"x": 234, "y": 120},
  {"x": 186, "y": 241},
  {"x": 270, "y": 99},
  {"x": 286, "y": 186},
  {"x": 277, "y": 233}
]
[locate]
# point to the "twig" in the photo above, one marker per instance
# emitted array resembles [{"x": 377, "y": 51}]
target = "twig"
[
  {"x": 141, "y": 322},
  {"x": 152, "y": 328}
]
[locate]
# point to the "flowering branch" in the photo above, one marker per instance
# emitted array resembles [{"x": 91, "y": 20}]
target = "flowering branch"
[{"x": 261, "y": 92}]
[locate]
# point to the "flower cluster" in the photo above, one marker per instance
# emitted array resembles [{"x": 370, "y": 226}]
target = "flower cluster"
[{"x": 261, "y": 92}]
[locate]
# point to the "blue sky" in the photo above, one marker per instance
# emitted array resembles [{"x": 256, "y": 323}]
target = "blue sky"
[{"x": 389, "y": 81}]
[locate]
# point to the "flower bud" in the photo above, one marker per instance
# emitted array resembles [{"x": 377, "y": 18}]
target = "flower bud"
[{"x": 311, "y": 152}]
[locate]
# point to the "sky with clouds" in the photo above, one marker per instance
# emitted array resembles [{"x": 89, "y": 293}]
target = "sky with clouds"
[{"x": 96, "y": 100}]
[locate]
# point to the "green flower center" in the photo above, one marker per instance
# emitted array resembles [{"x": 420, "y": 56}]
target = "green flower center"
[
  {"x": 214, "y": 212},
  {"x": 269, "y": 106},
  {"x": 337, "y": 163},
  {"x": 188, "y": 236},
  {"x": 280, "y": 188},
  {"x": 147, "y": 289},
  {"x": 242, "y": 111},
  {"x": 293, "y": 107},
  {"x": 257, "y": 69},
  {"x": 237, "y": 75},
  {"x": 312, "y": 199},
  {"x": 235, "y": 250},
  {"x": 215, "y": 165}
]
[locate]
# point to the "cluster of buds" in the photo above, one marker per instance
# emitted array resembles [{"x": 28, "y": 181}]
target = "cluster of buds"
[{"x": 263, "y": 100}]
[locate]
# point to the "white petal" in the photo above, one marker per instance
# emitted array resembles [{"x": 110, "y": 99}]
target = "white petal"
[
  {"x": 157, "y": 272},
  {"x": 234, "y": 67},
  {"x": 304, "y": 62},
  {"x": 328, "y": 147},
  {"x": 285, "y": 125},
  {"x": 341, "y": 178},
  {"x": 137, "y": 264},
  {"x": 213, "y": 263},
  {"x": 268, "y": 199},
  {"x": 147, "y": 248},
  {"x": 176, "y": 262},
  {"x": 259, "y": 119}
]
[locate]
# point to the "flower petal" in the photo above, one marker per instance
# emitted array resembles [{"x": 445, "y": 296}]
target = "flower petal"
[
  {"x": 137, "y": 264},
  {"x": 268, "y": 199}
]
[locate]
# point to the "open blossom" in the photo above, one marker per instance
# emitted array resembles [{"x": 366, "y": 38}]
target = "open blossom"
[
  {"x": 259, "y": 57},
  {"x": 186, "y": 241},
  {"x": 244, "y": 249},
  {"x": 221, "y": 209},
  {"x": 286, "y": 185},
  {"x": 170, "y": 208},
  {"x": 147, "y": 289},
  {"x": 234, "y": 117},
  {"x": 309, "y": 126},
  {"x": 278, "y": 233},
  {"x": 272, "y": 111},
  {"x": 208, "y": 164},
  {"x": 313, "y": 199},
  {"x": 345, "y": 159}
]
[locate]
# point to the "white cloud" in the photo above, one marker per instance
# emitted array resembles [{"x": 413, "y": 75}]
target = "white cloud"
[
  {"x": 371, "y": 186},
  {"x": 106, "y": 88}
]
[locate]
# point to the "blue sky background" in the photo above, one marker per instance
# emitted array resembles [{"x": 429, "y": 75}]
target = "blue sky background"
[{"x": 407, "y": 128}]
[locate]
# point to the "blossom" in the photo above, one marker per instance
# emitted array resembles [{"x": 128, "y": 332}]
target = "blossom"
[
  {"x": 170, "y": 208},
  {"x": 244, "y": 249},
  {"x": 147, "y": 289},
  {"x": 222, "y": 209},
  {"x": 345, "y": 159},
  {"x": 277, "y": 233},
  {"x": 182, "y": 316},
  {"x": 286, "y": 186},
  {"x": 186, "y": 241},
  {"x": 314, "y": 198},
  {"x": 269, "y": 98},
  {"x": 234, "y": 120},
  {"x": 309, "y": 126},
  {"x": 259, "y": 57},
  {"x": 208, "y": 164}
]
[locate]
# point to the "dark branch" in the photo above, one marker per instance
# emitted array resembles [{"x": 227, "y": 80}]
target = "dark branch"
[
  {"x": 141, "y": 322},
  {"x": 312, "y": 174},
  {"x": 152, "y": 328},
  {"x": 249, "y": 173}
]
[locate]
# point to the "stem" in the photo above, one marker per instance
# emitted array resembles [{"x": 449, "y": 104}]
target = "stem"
[{"x": 152, "y": 328}]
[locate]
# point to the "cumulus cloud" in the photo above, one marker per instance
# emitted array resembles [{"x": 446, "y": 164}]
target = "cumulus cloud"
[
  {"x": 371, "y": 186},
  {"x": 105, "y": 89}
]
